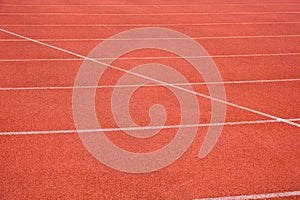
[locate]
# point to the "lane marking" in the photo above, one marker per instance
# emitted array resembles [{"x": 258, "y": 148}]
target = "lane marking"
[
  {"x": 146, "y": 25},
  {"x": 148, "y": 85},
  {"x": 146, "y": 5},
  {"x": 142, "y": 127},
  {"x": 198, "y": 57},
  {"x": 133, "y": 39},
  {"x": 146, "y": 14},
  {"x": 40, "y": 59},
  {"x": 148, "y": 58},
  {"x": 256, "y": 196},
  {"x": 153, "y": 79}
]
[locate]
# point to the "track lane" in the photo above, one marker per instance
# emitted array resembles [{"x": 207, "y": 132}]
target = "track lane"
[
  {"x": 192, "y": 31},
  {"x": 62, "y": 73},
  {"x": 142, "y": 19},
  {"x": 214, "y": 47},
  {"x": 52, "y": 110},
  {"x": 54, "y": 19}
]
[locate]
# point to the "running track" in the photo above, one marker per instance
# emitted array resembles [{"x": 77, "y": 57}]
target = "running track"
[{"x": 256, "y": 46}]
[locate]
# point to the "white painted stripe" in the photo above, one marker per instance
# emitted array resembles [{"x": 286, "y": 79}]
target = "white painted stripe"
[
  {"x": 146, "y": 14},
  {"x": 133, "y": 39},
  {"x": 148, "y": 58},
  {"x": 153, "y": 79},
  {"x": 197, "y": 57},
  {"x": 147, "y": 85},
  {"x": 147, "y": 25},
  {"x": 141, "y": 128},
  {"x": 147, "y": 5},
  {"x": 40, "y": 59},
  {"x": 256, "y": 196}
]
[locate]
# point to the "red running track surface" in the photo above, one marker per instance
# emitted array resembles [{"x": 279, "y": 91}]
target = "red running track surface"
[{"x": 256, "y": 47}]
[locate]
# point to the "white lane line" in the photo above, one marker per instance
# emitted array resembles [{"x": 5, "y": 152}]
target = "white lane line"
[
  {"x": 40, "y": 59},
  {"x": 147, "y": 5},
  {"x": 137, "y": 39},
  {"x": 146, "y": 25},
  {"x": 141, "y": 128},
  {"x": 198, "y": 57},
  {"x": 256, "y": 196},
  {"x": 148, "y": 85},
  {"x": 145, "y": 14},
  {"x": 153, "y": 79},
  {"x": 147, "y": 58}
]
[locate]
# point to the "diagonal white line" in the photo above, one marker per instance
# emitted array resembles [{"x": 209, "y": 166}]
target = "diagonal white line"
[
  {"x": 147, "y": 25},
  {"x": 133, "y": 39},
  {"x": 155, "y": 80},
  {"x": 148, "y": 85},
  {"x": 145, "y": 14},
  {"x": 141, "y": 128},
  {"x": 256, "y": 196}
]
